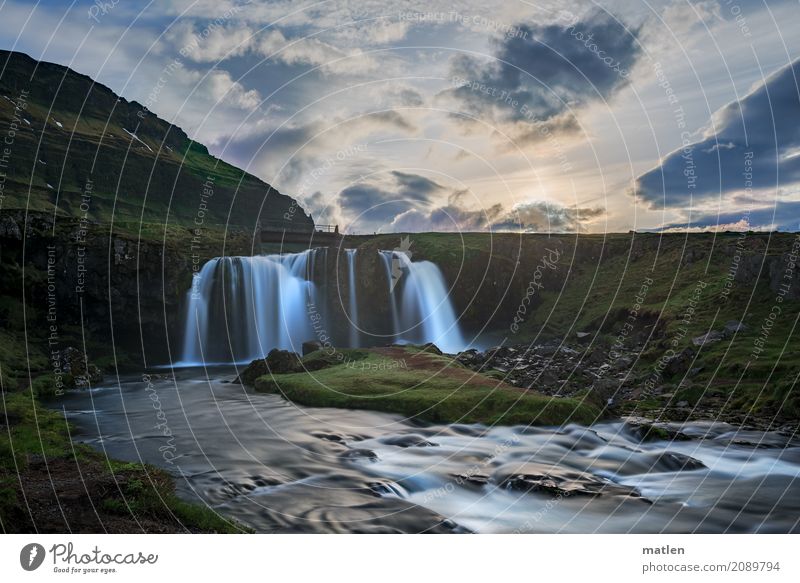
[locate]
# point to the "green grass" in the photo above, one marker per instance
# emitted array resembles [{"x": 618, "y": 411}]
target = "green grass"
[
  {"x": 29, "y": 430},
  {"x": 376, "y": 383}
]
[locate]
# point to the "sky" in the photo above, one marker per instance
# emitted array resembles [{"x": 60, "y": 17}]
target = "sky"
[{"x": 538, "y": 116}]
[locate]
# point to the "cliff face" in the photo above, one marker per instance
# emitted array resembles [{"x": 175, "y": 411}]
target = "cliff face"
[
  {"x": 91, "y": 284},
  {"x": 105, "y": 212}
]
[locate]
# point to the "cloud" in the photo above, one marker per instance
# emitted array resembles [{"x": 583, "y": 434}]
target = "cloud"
[
  {"x": 529, "y": 216},
  {"x": 377, "y": 204},
  {"x": 223, "y": 88},
  {"x": 210, "y": 44},
  {"x": 547, "y": 70},
  {"x": 450, "y": 217},
  {"x": 781, "y": 216},
  {"x": 415, "y": 186},
  {"x": 546, "y": 217},
  {"x": 751, "y": 144},
  {"x": 372, "y": 206}
]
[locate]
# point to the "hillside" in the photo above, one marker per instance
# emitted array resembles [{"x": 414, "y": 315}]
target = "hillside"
[{"x": 71, "y": 137}]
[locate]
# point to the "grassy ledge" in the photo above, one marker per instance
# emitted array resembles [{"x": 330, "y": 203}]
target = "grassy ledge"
[{"x": 418, "y": 384}]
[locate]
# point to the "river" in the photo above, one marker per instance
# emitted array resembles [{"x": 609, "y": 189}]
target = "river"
[{"x": 278, "y": 467}]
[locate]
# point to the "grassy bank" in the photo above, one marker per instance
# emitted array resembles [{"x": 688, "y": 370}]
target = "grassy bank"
[
  {"x": 424, "y": 386},
  {"x": 50, "y": 484}
]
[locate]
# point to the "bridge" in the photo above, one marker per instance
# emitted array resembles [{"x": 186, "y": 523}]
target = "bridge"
[{"x": 288, "y": 232}]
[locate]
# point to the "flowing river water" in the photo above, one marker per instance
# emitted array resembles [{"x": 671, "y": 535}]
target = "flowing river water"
[{"x": 278, "y": 467}]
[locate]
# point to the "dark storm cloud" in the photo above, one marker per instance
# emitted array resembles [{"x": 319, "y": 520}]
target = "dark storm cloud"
[
  {"x": 756, "y": 146},
  {"x": 548, "y": 69},
  {"x": 416, "y": 186},
  {"x": 379, "y": 204}
]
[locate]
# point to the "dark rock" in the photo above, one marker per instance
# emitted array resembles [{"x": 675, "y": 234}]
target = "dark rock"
[
  {"x": 680, "y": 362},
  {"x": 9, "y": 229},
  {"x": 672, "y": 462},
  {"x": 311, "y": 346},
  {"x": 647, "y": 430},
  {"x": 360, "y": 454},
  {"x": 734, "y": 327},
  {"x": 283, "y": 361},
  {"x": 430, "y": 347},
  {"x": 411, "y": 440},
  {"x": 471, "y": 478},
  {"x": 253, "y": 370},
  {"x": 277, "y": 362},
  {"x": 79, "y": 373}
]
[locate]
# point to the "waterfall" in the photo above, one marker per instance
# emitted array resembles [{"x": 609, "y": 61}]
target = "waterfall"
[
  {"x": 389, "y": 265},
  {"x": 239, "y": 308},
  {"x": 353, "y": 300},
  {"x": 425, "y": 313}
]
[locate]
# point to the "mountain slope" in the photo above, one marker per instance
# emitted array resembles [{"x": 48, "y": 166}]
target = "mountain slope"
[{"x": 66, "y": 130}]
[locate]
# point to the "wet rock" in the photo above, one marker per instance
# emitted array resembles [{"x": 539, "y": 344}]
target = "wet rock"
[
  {"x": 557, "y": 481},
  {"x": 411, "y": 440},
  {"x": 670, "y": 461},
  {"x": 472, "y": 478},
  {"x": 334, "y": 437},
  {"x": 648, "y": 430},
  {"x": 360, "y": 454},
  {"x": 253, "y": 370}
]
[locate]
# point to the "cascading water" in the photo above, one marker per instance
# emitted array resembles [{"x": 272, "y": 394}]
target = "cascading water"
[
  {"x": 391, "y": 281},
  {"x": 353, "y": 299},
  {"x": 425, "y": 312},
  {"x": 239, "y": 308}
]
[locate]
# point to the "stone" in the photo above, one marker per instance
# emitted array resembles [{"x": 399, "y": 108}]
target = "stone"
[
  {"x": 734, "y": 326},
  {"x": 249, "y": 374},
  {"x": 79, "y": 372},
  {"x": 431, "y": 348},
  {"x": 709, "y": 338},
  {"x": 680, "y": 362},
  {"x": 311, "y": 346},
  {"x": 410, "y": 440},
  {"x": 283, "y": 361}
]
